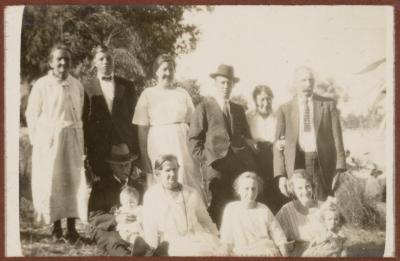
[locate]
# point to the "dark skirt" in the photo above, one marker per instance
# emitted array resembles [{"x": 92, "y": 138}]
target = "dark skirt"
[{"x": 271, "y": 195}]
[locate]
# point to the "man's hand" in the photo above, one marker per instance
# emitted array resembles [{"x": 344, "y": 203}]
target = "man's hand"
[
  {"x": 283, "y": 186},
  {"x": 280, "y": 144}
]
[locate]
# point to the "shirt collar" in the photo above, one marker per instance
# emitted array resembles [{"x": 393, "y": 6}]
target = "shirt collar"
[
  {"x": 99, "y": 76},
  {"x": 309, "y": 99},
  {"x": 57, "y": 80}
]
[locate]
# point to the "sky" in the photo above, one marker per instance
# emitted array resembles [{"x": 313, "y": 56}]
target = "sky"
[{"x": 266, "y": 43}]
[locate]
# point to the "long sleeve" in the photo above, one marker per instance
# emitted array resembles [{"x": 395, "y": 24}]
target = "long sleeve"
[
  {"x": 33, "y": 111},
  {"x": 197, "y": 133},
  {"x": 150, "y": 226},
  {"x": 190, "y": 108},
  {"x": 245, "y": 125},
  {"x": 337, "y": 136},
  {"x": 279, "y": 160},
  {"x": 275, "y": 230},
  {"x": 85, "y": 120},
  {"x": 283, "y": 222},
  {"x": 226, "y": 228}
]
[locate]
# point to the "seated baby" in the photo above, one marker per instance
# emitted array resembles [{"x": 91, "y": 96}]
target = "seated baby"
[
  {"x": 330, "y": 243},
  {"x": 129, "y": 216}
]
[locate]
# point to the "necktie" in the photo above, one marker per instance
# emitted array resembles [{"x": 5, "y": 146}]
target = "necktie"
[
  {"x": 307, "y": 117},
  {"x": 227, "y": 116}
]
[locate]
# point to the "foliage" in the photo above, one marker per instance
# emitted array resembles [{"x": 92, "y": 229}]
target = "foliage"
[
  {"x": 358, "y": 209},
  {"x": 241, "y": 100},
  {"x": 193, "y": 88},
  {"x": 137, "y": 34}
]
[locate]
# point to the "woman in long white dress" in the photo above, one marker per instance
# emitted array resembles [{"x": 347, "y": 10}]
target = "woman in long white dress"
[
  {"x": 299, "y": 218},
  {"x": 55, "y": 129},
  {"x": 174, "y": 213},
  {"x": 248, "y": 227},
  {"x": 163, "y": 113}
]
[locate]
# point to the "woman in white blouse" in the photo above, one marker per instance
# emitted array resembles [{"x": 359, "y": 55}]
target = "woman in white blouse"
[
  {"x": 175, "y": 213},
  {"x": 54, "y": 116},
  {"x": 248, "y": 227},
  {"x": 299, "y": 218},
  {"x": 262, "y": 123},
  {"x": 163, "y": 113}
]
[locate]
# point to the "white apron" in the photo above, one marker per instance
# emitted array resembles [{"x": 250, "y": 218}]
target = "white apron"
[{"x": 55, "y": 129}]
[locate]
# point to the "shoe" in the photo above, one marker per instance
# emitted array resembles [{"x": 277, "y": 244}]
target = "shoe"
[
  {"x": 56, "y": 235},
  {"x": 140, "y": 247},
  {"x": 72, "y": 236}
]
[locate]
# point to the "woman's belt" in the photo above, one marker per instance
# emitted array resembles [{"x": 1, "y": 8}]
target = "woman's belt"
[
  {"x": 169, "y": 123},
  {"x": 61, "y": 124}
]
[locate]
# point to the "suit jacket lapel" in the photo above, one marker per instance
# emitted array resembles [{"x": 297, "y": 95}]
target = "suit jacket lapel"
[
  {"x": 317, "y": 114},
  {"x": 95, "y": 90},
  {"x": 294, "y": 117},
  {"x": 119, "y": 90},
  {"x": 219, "y": 115}
]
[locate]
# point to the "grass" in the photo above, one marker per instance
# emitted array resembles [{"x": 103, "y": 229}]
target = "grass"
[{"x": 364, "y": 229}]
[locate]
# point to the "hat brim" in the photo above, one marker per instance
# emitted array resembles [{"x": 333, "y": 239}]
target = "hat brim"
[
  {"x": 132, "y": 158},
  {"x": 234, "y": 79}
]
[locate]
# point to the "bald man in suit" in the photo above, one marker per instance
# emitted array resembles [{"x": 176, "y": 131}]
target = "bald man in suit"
[{"x": 310, "y": 125}]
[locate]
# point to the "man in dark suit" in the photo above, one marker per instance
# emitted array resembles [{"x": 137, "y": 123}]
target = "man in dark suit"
[
  {"x": 219, "y": 138},
  {"x": 311, "y": 128},
  {"x": 104, "y": 199},
  {"x": 110, "y": 101}
]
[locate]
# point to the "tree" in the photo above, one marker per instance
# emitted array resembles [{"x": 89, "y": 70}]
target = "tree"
[
  {"x": 137, "y": 34},
  {"x": 193, "y": 88}
]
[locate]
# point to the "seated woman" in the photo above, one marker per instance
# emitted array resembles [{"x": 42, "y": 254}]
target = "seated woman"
[
  {"x": 298, "y": 218},
  {"x": 330, "y": 243},
  {"x": 175, "y": 214},
  {"x": 248, "y": 227}
]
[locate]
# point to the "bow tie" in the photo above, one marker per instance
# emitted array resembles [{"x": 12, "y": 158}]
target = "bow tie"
[{"x": 106, "y": 78}]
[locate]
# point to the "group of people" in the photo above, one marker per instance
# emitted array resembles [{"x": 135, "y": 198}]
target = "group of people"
[{"x": 218, "y": 181}]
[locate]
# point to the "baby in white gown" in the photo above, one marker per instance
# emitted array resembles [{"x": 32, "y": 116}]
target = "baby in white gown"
[
  {"x": 129, "y": 215},
  {"x": 330, "y": 243}
]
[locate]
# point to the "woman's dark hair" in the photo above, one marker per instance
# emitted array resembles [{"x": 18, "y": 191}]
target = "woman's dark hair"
[
  {"x": 160, "y": 160},
  {"x": 162, "y": 59},
  {"x": 262, "y": 88},
  {"x": 59, "y": 46},
  {"x": 99, "y": 49}
]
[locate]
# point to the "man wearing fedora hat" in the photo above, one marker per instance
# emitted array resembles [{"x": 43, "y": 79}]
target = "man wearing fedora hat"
[
  {"x": 104, "y": 199},
  {"x": 219, "y": 138},
  {"x": 110, "y": 102}
]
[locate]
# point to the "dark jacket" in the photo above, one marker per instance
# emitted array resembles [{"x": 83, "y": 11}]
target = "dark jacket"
[
  {"x": 328, "y": 133},
  {"x": 101, "y": 128},
  {"x": 209, "y": 139}
]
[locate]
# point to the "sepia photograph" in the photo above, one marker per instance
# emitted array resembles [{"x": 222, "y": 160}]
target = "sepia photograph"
[{"x": 199, "y": 130}]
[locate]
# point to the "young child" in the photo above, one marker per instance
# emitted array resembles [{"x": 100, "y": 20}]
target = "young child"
[
  {"x": 248, "y": 227},
  {"x": 331, "y": 242},
  {"x": 129, "y": 215}
]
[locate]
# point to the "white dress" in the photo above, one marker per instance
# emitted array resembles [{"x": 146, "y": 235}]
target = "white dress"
[
  {"x": 55, "y": 129},
  {"x": 129, "y": 231},
  {"x": 251, "y": 232},
  {"x": 181, "y": 219},
  {"x": 167, "y": 112},
  {"x": 299, "y": 227}
]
